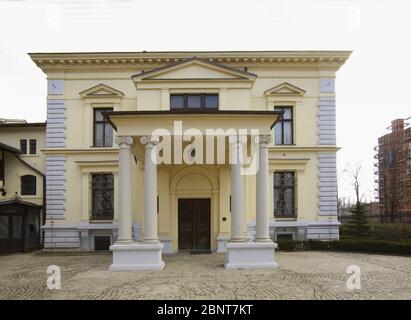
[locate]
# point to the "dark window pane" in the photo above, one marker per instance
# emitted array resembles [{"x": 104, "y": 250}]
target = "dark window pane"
[
  {"x": 23, "y": 146},
  {"x": 284, "y": 127},
  {"x": 28, "y": 185},
  {"x": 17, "y": 225},
  {"x": 103, "y": 196},
  {"x": 211, "y": 101},
  {"x": 98, "y": 138},
  {"x": 177, "y": 102},
  {"x": 33, "y": 146},
  {"x": 284, "y": 188},
  {"x": 108, "y": 142},
  {"x": 194, "y": 102},
  {"x": 4, "y": 227}
]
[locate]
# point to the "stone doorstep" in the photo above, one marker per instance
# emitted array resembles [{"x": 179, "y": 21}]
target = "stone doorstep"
[
  {"x": 250, "y": 255},
  {"x": 136, "y": 256}
]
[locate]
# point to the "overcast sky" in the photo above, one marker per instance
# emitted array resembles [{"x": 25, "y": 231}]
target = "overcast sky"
[{"x": 372, "y": 87}]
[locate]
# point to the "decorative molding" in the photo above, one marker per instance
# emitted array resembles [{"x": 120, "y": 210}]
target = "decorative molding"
[
  {"x": 149, "y": 140},
  {"x": 126, "y": 60},
  {"x": 285, "y": 89}
]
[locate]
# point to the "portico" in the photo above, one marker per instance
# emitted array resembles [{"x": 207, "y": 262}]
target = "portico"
[{"x": 138, "y": 136}]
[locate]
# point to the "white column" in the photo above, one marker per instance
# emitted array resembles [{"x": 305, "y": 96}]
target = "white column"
[
  {"x": 237, "y": 189},
  {"x": 124, "y": 229},
  {"x": 262, "y": 232},
  {"x": 150, "y": 189}
]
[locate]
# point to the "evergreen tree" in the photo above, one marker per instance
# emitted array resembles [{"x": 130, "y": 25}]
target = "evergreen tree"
[{"x": 360, "y": 225}]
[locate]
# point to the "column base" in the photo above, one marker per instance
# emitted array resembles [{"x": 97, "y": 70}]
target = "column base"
[
  {"x": 136, "y": 256},
  {"x": 250, "y": 255}
]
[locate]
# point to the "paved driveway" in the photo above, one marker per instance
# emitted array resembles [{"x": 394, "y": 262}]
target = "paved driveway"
[{"x": 301, "y": 275}]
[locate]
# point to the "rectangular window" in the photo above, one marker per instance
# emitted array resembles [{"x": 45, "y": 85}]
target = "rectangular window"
[
  {"x": 191, "y": 102},
  {"x": 284, "y": 195},
  {"x": 23, "y": 146},
  {"x": 103, "y": 132},
  {"x": 102, "y": 196},
  {"x": 28, "y": 185},
  {"x": 284, "y": 127},
  {"x": 33, "y": 146}
]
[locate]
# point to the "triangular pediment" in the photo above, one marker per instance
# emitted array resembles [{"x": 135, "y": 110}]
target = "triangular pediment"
[
  {"x": 194, "y": 69},
  {"x": 285, "y": 89},
  {"x": 101, "y": 90}
]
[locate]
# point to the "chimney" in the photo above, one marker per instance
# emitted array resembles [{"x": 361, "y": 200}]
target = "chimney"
[{"x": 397, "y": 125}]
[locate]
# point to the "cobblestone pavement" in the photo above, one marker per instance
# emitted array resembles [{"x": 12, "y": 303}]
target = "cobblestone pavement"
[{"x": 301, "y": 275}]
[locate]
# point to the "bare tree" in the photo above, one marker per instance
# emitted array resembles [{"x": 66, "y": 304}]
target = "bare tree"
[{"x": 354, "y": 176}]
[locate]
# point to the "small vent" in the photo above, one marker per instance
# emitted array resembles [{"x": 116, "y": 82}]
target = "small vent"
[
  {"x": 102, "y": 242},
  {"x": 285, "y": 236}
]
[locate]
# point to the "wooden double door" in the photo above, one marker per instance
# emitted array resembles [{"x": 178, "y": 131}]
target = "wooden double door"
[{"x": 194, "y": 231}]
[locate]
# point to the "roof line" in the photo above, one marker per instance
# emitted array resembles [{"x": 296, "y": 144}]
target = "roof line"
[{"x": 215, "y": 64}]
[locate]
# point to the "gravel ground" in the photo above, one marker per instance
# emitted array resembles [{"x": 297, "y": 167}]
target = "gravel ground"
[{"x": 301, "y": 275}]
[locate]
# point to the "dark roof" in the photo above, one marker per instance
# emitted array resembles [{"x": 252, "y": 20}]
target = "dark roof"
[
  {"x": 23, "y": 125},
  {"x": 182, "y": 113},
  {"x": 20, "y": 203},
  {"x": 219, "y": 65},
  {"x": 6, "y": 147}
]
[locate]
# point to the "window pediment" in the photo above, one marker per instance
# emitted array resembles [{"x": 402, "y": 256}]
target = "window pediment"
[
  {"x": 285, "y": 89},
  {"x": 101, "y": 91},
  {"x": 194, "y": 69}
]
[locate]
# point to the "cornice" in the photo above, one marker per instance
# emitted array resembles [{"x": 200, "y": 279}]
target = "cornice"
[
  {"x": 55, "y": 151},
  {"x": 127, "y": 60}
]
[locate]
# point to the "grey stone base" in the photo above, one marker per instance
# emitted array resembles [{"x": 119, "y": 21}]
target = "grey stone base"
[
  {"x": 136, "y": 256},
  {"x": 250, "y": 255},
  {"x": 301, "y": 230}
]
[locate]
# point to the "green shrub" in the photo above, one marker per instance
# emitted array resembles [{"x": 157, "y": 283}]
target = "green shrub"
[
  {"x": 389, "y": 232},
  {"x": 392, "y": 232},
  {"x": 348, "y": 245}
]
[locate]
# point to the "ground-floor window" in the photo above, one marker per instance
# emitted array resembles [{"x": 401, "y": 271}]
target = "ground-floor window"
[
  {"x": 284, "y": 194},
  {"x": 102, "y": 196}
]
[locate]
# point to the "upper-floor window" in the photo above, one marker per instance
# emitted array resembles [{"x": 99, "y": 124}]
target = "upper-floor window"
[
  {"x": 194, "y": 102},
  {"x": 102, "y": 196},
  {"x": 33, "y": 146},
  {"x": 103, "y": 132},
  {"x": 284, "y": 194},
  {"x": 28, "y": 185},
  {"x": 284, "y": 127},
  {"x": 23, "y": 146},
  {"x": 28, "y": 148}
]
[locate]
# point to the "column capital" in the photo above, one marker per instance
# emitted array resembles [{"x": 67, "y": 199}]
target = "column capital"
[
  {"x": 124, "y": 141},
  {"x": 149, "y": 140},
  {"x": 234, "y": 139},
  {"x": 263, "y": 139}
]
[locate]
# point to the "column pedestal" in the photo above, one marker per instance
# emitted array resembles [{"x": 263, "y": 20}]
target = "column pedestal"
[
  {"x": 136, "y": 256},
  {"x": 250, "y": 255}
]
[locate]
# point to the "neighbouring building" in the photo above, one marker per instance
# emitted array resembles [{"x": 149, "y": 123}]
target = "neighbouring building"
[
  {"x": 22, "y": 174},
  {"x": 109, "y": 113},
  {"x": 393, "y": 175}
]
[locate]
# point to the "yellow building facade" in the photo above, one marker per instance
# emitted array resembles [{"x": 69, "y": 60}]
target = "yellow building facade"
[{"x": 97, "y": 99}]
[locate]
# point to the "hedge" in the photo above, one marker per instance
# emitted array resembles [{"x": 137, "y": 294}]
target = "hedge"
[
  {"x": 349, "y": 245},
  {"x": 389, "y": 232}
]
